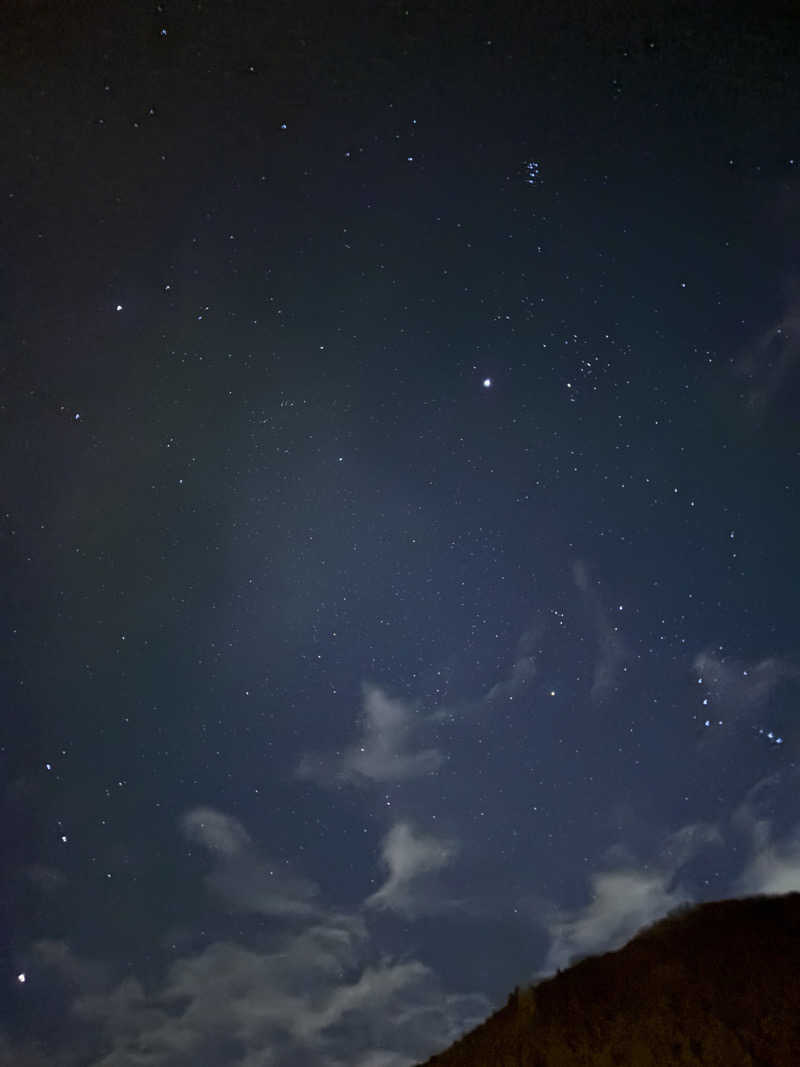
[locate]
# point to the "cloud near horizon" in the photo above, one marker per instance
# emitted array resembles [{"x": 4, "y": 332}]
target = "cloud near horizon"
[
  {"x": 626, "y": 897},
  {"x": 309, "y": 991},
  {"x": 767, "y": 363},
  {"x": 774, "y": 865},
  {"x": 622, "y": 902},
  {"x": 773, "y": 870},
  {"x": 301, "y": 992},
  {"x": 311, "y": 1000}
]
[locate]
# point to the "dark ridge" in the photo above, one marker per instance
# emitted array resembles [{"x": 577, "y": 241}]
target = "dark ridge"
[{"x": 713, "y": 984}]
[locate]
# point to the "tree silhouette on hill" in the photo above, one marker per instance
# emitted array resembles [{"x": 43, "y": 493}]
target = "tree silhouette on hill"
[{"x": 715, "y": 984}]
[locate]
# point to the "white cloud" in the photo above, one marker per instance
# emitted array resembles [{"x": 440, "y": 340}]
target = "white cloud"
[
  {"x": 241, "y": 876},
  {"x": 317, "y": 999},
  {"x": 216, "y": 831},
  {"x": 737, "y": 688},
  {"x": 522, "y": 674},
  {"x": 622, "y": 902},
  {"x": 384, "y": 752},
  {"x": 767, "y": 363},
  {"x": 626, "y": 897},
  {"x": 409, "y": 857},
  {"x": 774, "y": 869},
  {"x": 774, "y": 865},
  {"x": 316, "y": 993},
  {"x": 611, "y": 648},
  {"x": 686, "y": 842},
  {"x": 523, "y": 670}
]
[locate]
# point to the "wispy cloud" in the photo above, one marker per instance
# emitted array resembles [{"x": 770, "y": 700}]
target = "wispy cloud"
[
  {"x": 219, "y": 833},
  {"x": 611, "y": 648},
  {"x": 774, "y": 863},
  {"x": 736, "y": 689},
  {"x": 622, "y": 902},
  {"x": 775, "y": 868},
  {"x": 522, "y": 672},
  {"x": 385, "y": 751},
  {"x": 684, "y": 844},
  {"x": 245, "y": 879},
  {"x": 410, "y": 859},
  {"x": 312, "y": 1000},
  {"x": 766, "y": 363},
  {"x": 316, "y": 992},
  {"x": 626, "y": 897}
]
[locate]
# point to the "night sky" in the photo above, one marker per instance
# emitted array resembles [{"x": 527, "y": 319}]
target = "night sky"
[{"x": 400, "y": 507}]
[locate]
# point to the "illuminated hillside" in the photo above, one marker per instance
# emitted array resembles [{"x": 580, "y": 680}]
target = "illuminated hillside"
[{"x": 716, "y": 984}]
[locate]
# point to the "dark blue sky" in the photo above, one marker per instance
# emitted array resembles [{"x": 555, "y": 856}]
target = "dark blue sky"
[{"x": 400, "y": 503}]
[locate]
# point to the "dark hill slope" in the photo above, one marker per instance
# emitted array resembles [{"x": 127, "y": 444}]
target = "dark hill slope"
[{"x": 716, "y": 985}]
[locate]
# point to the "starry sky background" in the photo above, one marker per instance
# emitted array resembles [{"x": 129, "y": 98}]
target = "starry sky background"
[{"x": 400, "y": 511}]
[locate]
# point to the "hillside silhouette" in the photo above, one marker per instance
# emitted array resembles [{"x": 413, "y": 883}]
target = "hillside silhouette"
[{"x": 713, "y": 984}]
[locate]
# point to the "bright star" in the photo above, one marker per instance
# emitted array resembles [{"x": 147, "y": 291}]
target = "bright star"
[{"x": 487, "y": 383}]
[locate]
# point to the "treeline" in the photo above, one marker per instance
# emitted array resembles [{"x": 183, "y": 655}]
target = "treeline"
[{"x": 716, "y": 985}]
